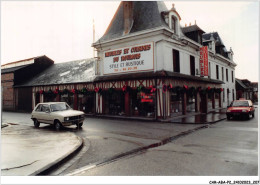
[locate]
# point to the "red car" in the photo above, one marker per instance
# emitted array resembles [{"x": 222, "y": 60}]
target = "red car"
[{"x": 240, "y": 108}]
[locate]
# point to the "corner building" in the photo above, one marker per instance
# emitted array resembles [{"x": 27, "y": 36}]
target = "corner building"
[{"x": 149, "y": 66}]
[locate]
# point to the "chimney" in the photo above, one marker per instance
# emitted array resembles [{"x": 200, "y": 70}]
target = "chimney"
[
  {"x": 128, "y": 16},
  {"x": 213, "y": 43},
  {"x": 190, "y": 24},
  {"x": 195, "y": 22},
  {"x": 185, "y": 25}
]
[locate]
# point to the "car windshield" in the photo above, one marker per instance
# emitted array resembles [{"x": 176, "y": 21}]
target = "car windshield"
[
  {"x": 240, "y": 104},
  {"x": 59, "y": 107}
]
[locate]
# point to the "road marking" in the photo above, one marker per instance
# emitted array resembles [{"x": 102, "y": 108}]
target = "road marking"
[{"x": 81, "y": 170}]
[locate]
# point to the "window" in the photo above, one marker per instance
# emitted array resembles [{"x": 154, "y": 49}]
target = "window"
[
  {"x": 209, "y": 70},
  {"x": 222, "y": 71},
  {"x": 223, "y": 94},
  {"x": 176, "y": 61},
  {"x": 192, "y": 65},
  {"x": 227, "y": 74},
  {"x": 233, "y": 94},
  {"x": 232, "y": 76},
  {"x": 217, "y": 75},
  {"x": 38, "y": 108},
  {"x": 173, "y": 24}
]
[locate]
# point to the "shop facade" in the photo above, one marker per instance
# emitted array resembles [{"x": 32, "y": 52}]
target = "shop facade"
[{"x": 149, "y": 67}]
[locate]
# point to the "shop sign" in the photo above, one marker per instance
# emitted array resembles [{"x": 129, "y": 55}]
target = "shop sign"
[
  {"x": 204, "y": 61},
  {"x": 129, "y": 59}
]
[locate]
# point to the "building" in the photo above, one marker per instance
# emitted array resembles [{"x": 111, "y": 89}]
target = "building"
[
  {"x": 148, "y": 67},
  {"x": 16, "y": 73},
  {"x": 145, "y": 47},
  {"x": 247, "y": 89}
]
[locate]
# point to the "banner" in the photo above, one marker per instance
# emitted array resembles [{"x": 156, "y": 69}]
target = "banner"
[
  {"x": 204, "y": 61},
  {"x": 129, "y": 59}
]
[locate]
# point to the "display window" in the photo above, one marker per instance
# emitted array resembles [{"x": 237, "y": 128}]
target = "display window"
[
  {"x": 210, "y": 105},
  {"x": 175, "y": 104},
  {"x": 190, "y": 103},
  {"x": 68, "y": 98},
  {"x": 142, "y": 104},
  {"x": 49, "y": 97},
  {"x": 114, "y": 103},
  {"x": 86, "y": 103},
  {"x": 217, "y": 100}
]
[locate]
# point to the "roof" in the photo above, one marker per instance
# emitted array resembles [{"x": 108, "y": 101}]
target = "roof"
[
  {"x": 13, "y": 69},
  {"x": 241, "y": 83},
  {"x": 192, "y": 28},
  {"x": 146, "y": 15},
  {"x": 152, "y": 74},
  {"x": 65, "y": 73},
  {"x": 206, "y": 36}
]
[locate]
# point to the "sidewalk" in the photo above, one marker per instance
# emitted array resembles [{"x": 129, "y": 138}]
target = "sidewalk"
[
  {"x": 199, "y": 118},
  {"x": 29, "y": 151}
]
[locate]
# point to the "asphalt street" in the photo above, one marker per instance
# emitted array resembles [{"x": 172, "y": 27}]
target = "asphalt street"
[
  {"x": 227, "y": 148},
  {"x": 105, "y": 138}
]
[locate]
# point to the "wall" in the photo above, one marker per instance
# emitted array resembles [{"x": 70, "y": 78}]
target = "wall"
[{"x": 8, "y": 91}]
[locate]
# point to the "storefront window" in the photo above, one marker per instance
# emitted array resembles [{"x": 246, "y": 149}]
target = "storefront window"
[
  {"x": 217, "y": 99},
  {"x": 69, "y": 99},
  {"x": 86, "y": 103},
  {"x": 210, "y": 101},
  {"x": 49, "y": 97},
  {"x": 176, "y": 105},
  {"x": 190, "y": 103},
  {"x": 114, "y": 103},
  {"x": 142, "y": 104}
]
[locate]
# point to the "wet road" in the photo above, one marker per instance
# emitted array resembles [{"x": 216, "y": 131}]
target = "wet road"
[
  {"x": 227, "y": 148},
  {"x": 105, "y": 138}
]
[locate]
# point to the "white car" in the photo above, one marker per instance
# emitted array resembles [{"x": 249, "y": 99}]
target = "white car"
[{"x": 58, "y": 114}]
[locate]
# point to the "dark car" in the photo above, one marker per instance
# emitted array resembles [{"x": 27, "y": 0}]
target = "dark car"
[{"x": 240, "y": 108}]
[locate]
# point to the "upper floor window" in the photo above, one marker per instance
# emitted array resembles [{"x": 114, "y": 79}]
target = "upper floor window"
[
  {"x": 222, "y": 71},
  {"x": 174, "y": 24},
  {"x": 232, "y": 76},
  {"x": 227, "y": 74},
  {"x": 176, "y": 60},
  {"x": 192, "y": 65},
  {"x": 217, "y": 74}
]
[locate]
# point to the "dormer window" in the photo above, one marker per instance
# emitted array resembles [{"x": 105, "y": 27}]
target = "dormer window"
[{"x": 174, "y": 24}]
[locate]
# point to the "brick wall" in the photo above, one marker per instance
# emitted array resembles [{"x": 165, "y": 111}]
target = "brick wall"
[{"x": 8, "y": 91}]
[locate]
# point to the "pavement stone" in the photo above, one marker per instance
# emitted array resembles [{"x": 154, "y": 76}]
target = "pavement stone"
[{"x": 26, "y": 150}]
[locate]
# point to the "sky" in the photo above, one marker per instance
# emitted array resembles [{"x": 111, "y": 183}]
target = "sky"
[{"x": 63, "y": 30}]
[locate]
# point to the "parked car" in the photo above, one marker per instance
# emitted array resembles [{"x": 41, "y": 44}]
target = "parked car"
[
  {"x": 58, "y": 114},
  {"x": 241, "y": 108}
]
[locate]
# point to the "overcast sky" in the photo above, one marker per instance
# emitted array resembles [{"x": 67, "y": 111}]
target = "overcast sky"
[{"x": 63, "y": 30}]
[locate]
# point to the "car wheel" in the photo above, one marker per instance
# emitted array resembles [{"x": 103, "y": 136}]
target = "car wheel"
[
  {"x": 79, "y": 125},
  {"x": 36, "y": 123},
  {"x": 228, "y": 117},
  {"x": 57, "y": 125}
]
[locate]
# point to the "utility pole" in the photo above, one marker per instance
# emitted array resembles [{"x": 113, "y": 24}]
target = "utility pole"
[{"x": 93, "y": 38}]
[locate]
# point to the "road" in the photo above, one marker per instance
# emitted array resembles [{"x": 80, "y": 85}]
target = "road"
[
  {"x": 106, "y": 138},
  {"x": 225, "y": 148}
]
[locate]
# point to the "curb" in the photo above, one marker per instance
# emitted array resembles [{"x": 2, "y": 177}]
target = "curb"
[
  {"x": 137, "y": 150},
  {"x": 44, "y": 170},
  {"x": 211, "y": 122}
]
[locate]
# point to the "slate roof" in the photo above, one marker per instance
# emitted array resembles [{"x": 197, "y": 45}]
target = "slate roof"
[
  {"x": 146, "y": 15},
  {"x": 216, "y": 36},
  {"x": 13, "y": 69},
  {"x": 65, "y": 73},
  {"x": 191, "y": 28},
  {"x": 241, "y": 84}
]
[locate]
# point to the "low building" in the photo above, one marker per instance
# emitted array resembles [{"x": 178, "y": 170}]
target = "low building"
[
  {"x": 247, "y": 89},
  {"x": 16, "y": 73}
]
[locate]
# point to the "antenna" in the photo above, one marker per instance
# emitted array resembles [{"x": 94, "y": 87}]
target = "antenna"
[{"x": 93, "y": 38}]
